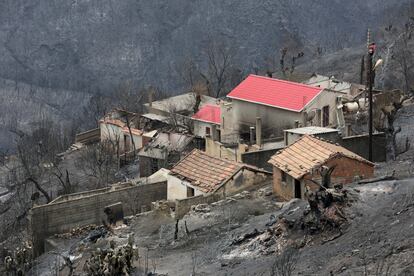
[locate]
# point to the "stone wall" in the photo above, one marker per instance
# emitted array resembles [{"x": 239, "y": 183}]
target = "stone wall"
[
  {"x": 64, "y": 215},
  {"x": 283, "y": 189},
  {"x": 245, "y": 179},
  {"x": 182, "y": 206}
]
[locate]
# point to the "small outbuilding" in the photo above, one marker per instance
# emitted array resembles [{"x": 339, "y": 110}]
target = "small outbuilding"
[
  {"x": 200, "y": 174},
  {"x": 299, "y": 166}
]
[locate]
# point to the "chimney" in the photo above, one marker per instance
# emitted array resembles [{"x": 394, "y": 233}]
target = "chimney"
[
  {"x": 251, "y": 135},
  {"x": 259, "y": 131}
]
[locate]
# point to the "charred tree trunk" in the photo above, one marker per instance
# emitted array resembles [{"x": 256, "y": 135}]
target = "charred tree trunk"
[
  {"x": 176, "y": 230},
  {"x": 39, "y": 187}
]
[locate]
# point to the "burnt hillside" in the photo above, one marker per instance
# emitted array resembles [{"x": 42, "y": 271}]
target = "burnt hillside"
[{"x": 95, "y": 45}]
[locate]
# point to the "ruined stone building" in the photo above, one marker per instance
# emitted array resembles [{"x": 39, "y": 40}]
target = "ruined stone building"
[{"x": 163, "y": 151}]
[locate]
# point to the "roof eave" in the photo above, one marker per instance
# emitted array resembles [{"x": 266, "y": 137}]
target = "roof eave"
[
  {"x": 205, "y": 121},
  {"x": 274, "y": 106}
]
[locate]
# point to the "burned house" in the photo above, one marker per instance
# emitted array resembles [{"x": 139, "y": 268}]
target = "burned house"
[
  {"x": 206, "y": 122},
  {"x": 176, "y": 111},
  {"x": 200, "y": 174},
  {"x": 121, "y": 127},
  {"x": 279, "y": 104},
  {"x": 163, "y": 151},
  {"x": 300, "y": 165},
  {"x": 332, "y": 83}
]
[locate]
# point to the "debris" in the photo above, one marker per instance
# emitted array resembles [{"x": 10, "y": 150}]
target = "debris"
[
  {"x": 201, "y": 208},
  {"x": 94, "y": 235},
  {"x": 245, "y": 237},
  {"x": 76, "y": 232},
  {"x": 272, "y": 221},
  {"x": 378, "y": 179}
]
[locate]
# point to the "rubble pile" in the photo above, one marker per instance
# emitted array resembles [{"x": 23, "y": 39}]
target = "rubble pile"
[
  {"x": 76, "y": 232},
  {"x": 20, "y": 261},
  {"x": 297, "y": 226},
  {"x": 325, "y": 210}
]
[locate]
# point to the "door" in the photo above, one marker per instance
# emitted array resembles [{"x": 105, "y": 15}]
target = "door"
[
  {"x": 127, "y": 142},
  {"x": 298, "y": 191},
  {"x": 325, "y": 116}
]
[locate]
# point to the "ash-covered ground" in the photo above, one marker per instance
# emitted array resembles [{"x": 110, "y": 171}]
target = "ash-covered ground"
[{"x": 245, "y": 235}]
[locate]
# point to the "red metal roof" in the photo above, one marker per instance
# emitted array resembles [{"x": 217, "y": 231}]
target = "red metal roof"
[
  {"x": 208, "y": 113},
  {"x": 273, "y": 92}
]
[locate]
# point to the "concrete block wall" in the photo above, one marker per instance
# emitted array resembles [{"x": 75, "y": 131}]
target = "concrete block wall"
[
  {"x": 259, "y": 158},
  {"x": 360, "y": 145},
  {"x": 63, "y": 216}
]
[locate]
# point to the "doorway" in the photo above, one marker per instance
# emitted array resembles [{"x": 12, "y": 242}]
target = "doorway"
[
  {"x": 298, "y": 191},
  {"x": 325, "y": 116}
]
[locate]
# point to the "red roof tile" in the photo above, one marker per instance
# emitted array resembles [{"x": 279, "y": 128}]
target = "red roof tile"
[
  {"x": 204, "y": 171},
  {"x": 208, "y": 113},
  {"x": 273, "y": 92},
  {"x": 307, "y": 153}
]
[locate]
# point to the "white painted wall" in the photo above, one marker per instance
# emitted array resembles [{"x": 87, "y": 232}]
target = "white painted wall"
[
  {"x": 325, "y": 98},
  {"x": 244, "y": 113},
  {"x": 113, "y": 133},
  {"x": 177, "y": 188}
]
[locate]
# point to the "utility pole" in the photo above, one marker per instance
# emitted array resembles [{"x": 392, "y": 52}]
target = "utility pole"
[{"x": 371, "y": 51}]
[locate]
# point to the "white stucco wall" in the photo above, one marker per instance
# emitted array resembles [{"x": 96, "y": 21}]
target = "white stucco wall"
[
  {"x": 113, "y": 133},
  {"x": 177, "y": 188},
  {"x": 274, "y": 120},
  {"x": 200, "y": 129},
  {"x": 325, "y": 98}
]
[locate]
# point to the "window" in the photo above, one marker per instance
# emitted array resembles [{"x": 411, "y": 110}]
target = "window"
[
  {"x": 190, "y": 192},
  {"x": 325, "y": 116},
  {"x": 283, "y": 176},
  {"x": 207, "y": 131}
]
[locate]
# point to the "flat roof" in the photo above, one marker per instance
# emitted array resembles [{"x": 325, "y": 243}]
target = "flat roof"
[
  {"x": 312, "y": 130},
  {"x": 182, "y": 102},
  {"x": 155, "y": 117}
]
